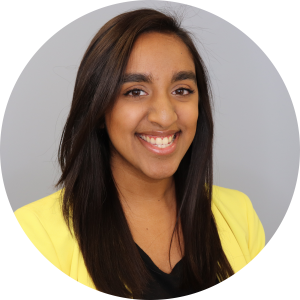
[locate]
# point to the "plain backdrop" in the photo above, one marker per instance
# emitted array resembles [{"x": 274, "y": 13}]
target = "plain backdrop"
[{"x": 263, "y": 95}]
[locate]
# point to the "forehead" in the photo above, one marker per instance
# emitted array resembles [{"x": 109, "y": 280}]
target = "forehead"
[{"x": 159, "y": 53}]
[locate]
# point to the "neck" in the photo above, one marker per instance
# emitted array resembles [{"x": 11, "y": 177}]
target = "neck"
[{"x": 142, "y": 196}]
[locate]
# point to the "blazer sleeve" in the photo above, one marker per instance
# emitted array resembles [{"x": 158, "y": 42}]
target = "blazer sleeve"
[
  {"x": 31, "y": 267},
  {"x": 262, "y": 273}
]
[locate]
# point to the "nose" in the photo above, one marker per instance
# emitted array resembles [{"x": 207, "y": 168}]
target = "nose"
[{"x": 162, "y": 111}]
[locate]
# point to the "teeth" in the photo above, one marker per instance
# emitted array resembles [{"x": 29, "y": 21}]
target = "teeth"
[{"x": 159, "y": 142}]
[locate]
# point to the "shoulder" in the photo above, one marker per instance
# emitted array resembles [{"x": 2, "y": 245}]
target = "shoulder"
[
  {"x": 43, "y": 223},
  {"x": 234, "y": 204},
  {"x": 46, "y": 211},
  {"x": 43, "y": 203},
  {"x": 235, "y": 207}
]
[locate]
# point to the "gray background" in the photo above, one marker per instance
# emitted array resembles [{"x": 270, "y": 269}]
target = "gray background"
[{"x": 256, "y": 141}]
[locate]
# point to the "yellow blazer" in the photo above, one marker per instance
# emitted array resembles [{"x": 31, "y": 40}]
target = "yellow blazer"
[{"x": 240, "y": 230}]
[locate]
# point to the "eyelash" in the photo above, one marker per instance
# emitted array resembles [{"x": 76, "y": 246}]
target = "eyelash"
[{"x": 133, "y": 90}]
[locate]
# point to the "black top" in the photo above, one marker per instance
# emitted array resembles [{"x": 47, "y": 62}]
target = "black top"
[{"x": 163, "y": 285}]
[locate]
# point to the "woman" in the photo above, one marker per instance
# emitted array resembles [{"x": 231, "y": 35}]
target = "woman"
[{"x": 139, "y": 216}]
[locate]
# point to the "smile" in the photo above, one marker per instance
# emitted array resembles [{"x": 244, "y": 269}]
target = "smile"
[{"x": 160, "y": 142}]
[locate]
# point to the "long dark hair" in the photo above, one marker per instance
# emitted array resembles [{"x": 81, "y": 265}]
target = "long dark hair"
[{"x": 90, "y": 201}]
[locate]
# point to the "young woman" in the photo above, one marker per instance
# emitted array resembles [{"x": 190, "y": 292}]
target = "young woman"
[{"x": 137, "y": 215}]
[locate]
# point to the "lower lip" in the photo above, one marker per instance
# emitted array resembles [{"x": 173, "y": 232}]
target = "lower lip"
[{"x": 160, "y": 151}]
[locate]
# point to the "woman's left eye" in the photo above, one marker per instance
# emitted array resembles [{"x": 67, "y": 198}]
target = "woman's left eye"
[
  {"x": 135, "y": 93},
  {"x": 183, "y": 92}
]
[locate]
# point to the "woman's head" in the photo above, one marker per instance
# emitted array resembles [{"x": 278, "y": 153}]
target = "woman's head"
[{"x": 147, "y": 42}]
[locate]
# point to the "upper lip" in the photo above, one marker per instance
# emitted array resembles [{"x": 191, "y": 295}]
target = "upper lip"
[{"x": 159, "y": 132}]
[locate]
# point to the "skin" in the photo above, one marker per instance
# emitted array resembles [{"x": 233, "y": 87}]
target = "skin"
[{"x": 145, "y": 178}]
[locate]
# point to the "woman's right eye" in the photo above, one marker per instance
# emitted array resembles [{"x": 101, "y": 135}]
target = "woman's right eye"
[{"x": 135, "y": 93}]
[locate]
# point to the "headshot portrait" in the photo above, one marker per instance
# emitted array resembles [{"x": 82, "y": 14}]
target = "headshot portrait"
[{"x": 149, "y": 150}]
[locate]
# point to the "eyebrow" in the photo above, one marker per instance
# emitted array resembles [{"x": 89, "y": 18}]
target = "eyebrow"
[
  {"x": 184, "y": 75},
  {"x": 137, "y": 77},
  {"x": 141, "y": 77}
]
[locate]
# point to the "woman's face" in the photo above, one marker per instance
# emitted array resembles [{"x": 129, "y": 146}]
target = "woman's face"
[{"x": 153, "y": 121}]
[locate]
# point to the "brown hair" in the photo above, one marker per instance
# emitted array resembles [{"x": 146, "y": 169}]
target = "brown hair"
[{"x": 90, "y": 203}]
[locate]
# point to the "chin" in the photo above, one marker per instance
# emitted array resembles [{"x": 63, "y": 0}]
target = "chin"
[{"x": 161, "y": 172}]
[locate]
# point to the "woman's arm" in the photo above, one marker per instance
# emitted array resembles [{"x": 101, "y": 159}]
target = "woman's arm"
[{"x": 31, "y": 267}]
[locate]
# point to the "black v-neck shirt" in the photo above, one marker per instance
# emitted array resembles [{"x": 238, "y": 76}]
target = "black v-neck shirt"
[{"x": 163, "y": 285}]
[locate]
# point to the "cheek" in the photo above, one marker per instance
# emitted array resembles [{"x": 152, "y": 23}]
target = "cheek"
[
  {"x": 122, "y": 121},
  {"x": 188, "y": 117}
]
